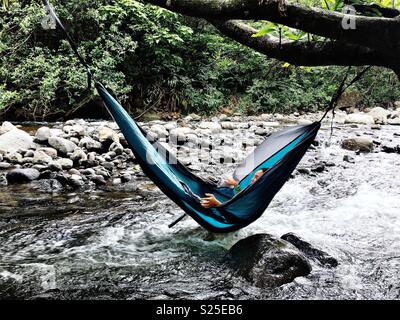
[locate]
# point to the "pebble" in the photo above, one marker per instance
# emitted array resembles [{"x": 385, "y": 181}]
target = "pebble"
[{"x": 98, "y": 179}]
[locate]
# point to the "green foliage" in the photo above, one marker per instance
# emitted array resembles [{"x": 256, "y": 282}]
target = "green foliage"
[{"x": 152, "y": 57}]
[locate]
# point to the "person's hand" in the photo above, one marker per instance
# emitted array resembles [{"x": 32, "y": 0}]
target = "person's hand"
[
  {"x": 209, "y": 201},
  {"x": 232, "y": 182}
]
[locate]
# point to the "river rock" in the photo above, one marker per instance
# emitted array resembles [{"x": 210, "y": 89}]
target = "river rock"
[
  {"x": 78, "y": 154},
  {"x": 29, "y": 153},
  {"x": 14, "y": 157},
  {"x": 22, "y": 175},
  {"x": 107, "y": 134},
  {"x": 65, "y": 163},
  {"x": 42, "y": 134},
  {"x": 74, "y": 171},
  {"x": 179, "y": 134},
  {"x": 267, "y": 261},
  {"x": 214, "y": 127},
  {"x": 391, "y": 148},
  {"x": 77, "y": 130},
  {"x": 394, "y": 122},
  {"x": 41, "y": 157},
  {"x": 304, "y": 122},
  {"x": 98, "y": 179},
  {"x": 14, "y": 141},
  {"x": 6, "y": 126},
  {"x": 116, "y": 181},
  {"x": 54, "y": 166},
  {"x": 40, "y": 167},
  {"x": 76, "y": 181},
  {"x": 4, "y": 165},
  {"x": 87, "y": 172},
  {"x": 62, "y": 145},
  {"x": 108, "y": 165},
  {"x": 26, "y": 160},
  {"x": 348, "y": 159},
  {"x": 170, "y": 125},
  {"x": 51, "y": 152},
  {"x": 359, "y": 118},
  {"x": 159, "y": 130},
  {"x": 228, "y": 125},
  {"x": 117, "y": 148},
  {"x": 90, "y": 144},
  {"x": 126, "y": 177},
  {"x": 47, "y": 174},
  {"x": 3, "y": 180},
  {"x": 379, "y": 115},
  {"x": 363, "y": 144},
  {"x": 195, "y": 117},
  {"x": 310, "y": 251},
  {"x": 47, "y": 185}
]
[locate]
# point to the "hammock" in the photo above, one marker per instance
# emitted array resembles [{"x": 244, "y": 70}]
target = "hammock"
[{"x": 279, "y": 154}]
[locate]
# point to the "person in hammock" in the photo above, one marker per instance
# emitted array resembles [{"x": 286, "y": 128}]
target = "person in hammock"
[{"x": 211, "y": 201}]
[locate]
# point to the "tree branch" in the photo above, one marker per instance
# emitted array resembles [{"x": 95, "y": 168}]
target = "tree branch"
[
  {"x": 372, "y": 32},
  {"x": 302, "y": 53}
]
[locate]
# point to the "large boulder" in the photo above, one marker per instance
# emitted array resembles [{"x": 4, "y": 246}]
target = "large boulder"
[
  {"x": 267, "y": 261},
  {"x": 363, "y": 144},
  {"x": 310, "y": 251},
  {"x": 6, "y": 126},
  {"x": 380, "y": 115},
  {"x": 14, "y": 140},
  {"x": 359, "y": 118},
  {"x": 62, "y": 145},
  {"x": 22, "y": 175}
]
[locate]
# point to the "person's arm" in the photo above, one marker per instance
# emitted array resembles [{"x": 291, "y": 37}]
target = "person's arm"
[
  {"x": 232, "y": 182},
  {"x": 210, "y": 201}
]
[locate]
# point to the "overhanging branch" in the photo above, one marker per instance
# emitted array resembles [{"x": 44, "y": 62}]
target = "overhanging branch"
[
  {"x": 372, "y": 32},
  {"x": 302, "y": 53}
]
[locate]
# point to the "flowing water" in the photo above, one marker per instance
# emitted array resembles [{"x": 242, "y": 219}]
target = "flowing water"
[{"x": 115, "y": 244}]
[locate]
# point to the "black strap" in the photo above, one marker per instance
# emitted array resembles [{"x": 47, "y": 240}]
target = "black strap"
[
  {"x": 74, "y": 47},
  {"x": 342, "y": 88}
]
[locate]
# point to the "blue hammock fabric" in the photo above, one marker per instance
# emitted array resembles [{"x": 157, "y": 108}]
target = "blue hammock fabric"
[{"x": 279, "y": 154}]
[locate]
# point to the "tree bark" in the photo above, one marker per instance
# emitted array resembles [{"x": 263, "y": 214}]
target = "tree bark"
[{"x": 302, "y": 53}]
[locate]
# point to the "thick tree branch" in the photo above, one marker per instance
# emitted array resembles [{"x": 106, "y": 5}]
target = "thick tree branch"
[
  {"x": 371, "y": 9},
  {"x": 301, "y": 52},
  {"x": 374, "y": 32}
]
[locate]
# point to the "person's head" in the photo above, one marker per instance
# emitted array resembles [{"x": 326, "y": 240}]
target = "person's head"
[{"x": 258, "y": 175}]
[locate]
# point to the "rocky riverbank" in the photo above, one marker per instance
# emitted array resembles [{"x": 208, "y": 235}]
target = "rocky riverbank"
[
  {"x": 64, "y": 233},
  {"x": 79, "y": 154}
]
